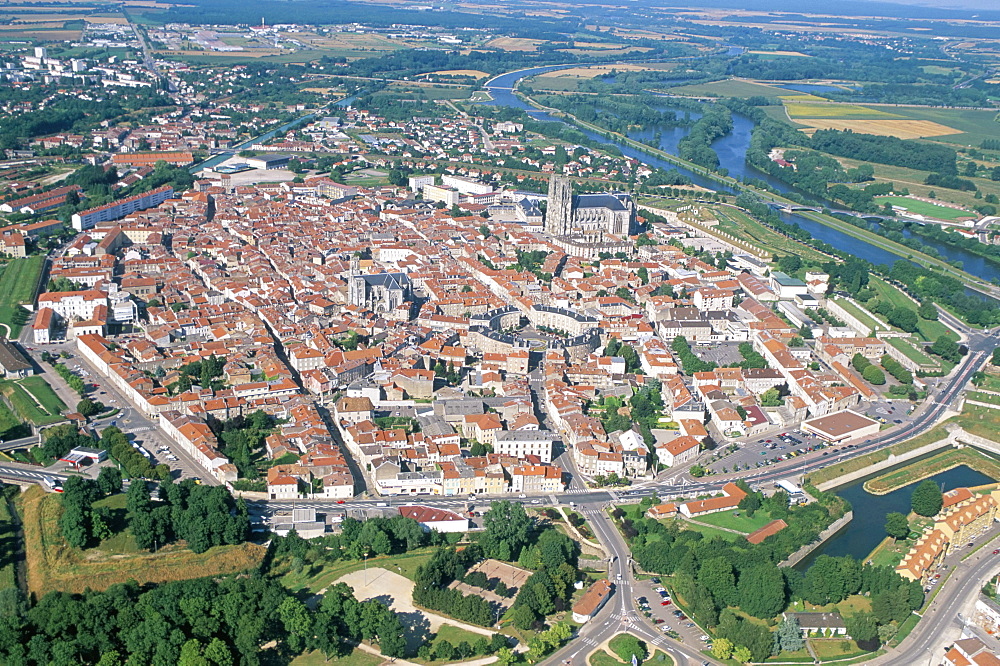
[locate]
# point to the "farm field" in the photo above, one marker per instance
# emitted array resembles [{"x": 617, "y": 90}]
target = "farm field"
[
  {"x": 971, "y": 126},
  {"x": 732, "y": 88},
  {"x": 514, "y": 44},
  {"x": 42, "y": 392},
  {"x": 18, "y": 285},
  {"x": 797, "y": 109},
  {"x": 53, "y": 565},
  {"x": 926, "y": 209}
]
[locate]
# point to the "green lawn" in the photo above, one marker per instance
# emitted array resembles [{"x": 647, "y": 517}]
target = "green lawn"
[
  {"x": 18, "y": 284},
  {"x": 924, "y": 208},
  {"x": 356, "y": 658},
  {"x": 708, "y": 532},
  {"x": 314, "y": 581},
  {"x": 25, "y": 406},
  {"x": 40, "y": 388},
  {"x": 928, "y": 330},
  {"x": 835, "y": 648},
  {"x": 7, "y": 420},
  {"x": 988, "y": 398},
  {"x": 456, "y": 635},
  {"x": 862, "y": 315},
  {"x": 912, "y": 353},
  {"x": 738, "y": 520}
]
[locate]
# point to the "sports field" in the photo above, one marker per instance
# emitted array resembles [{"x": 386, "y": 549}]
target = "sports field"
[
  {"x": 926, "y": 209},
  {"x": 18, "y": 285}
]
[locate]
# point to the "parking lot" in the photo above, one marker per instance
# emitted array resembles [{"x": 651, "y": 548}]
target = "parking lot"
[
  {"x": 653, "y": 599},
  {"x": 768, "y": 450}
]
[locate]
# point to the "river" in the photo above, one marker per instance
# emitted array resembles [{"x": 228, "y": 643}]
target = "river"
[
  {"x": 867, "y": 528},
  {"x": 732, "y": 150}
]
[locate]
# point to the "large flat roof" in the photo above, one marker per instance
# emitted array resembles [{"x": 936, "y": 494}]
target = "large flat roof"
[{"x": 841, "y": 423}]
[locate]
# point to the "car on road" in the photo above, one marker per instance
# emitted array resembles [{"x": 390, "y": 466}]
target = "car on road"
[
  {"x": 536, "y": 501},
  {"x": 665, "y": 603},
  {"x": 340, "y": 501},
  {"x": 522, "y": 496},
  {"x": 997, "y": 551}
]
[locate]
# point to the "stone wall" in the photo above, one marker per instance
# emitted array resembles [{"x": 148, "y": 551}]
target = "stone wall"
[{"x": 834, "y": 527}]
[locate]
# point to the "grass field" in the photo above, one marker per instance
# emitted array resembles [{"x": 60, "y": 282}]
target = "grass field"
[
  {"x": 972, "y": 126},
  {"x": 913, "y": 181},
  {"x": 315, "y": 579},
  {"x": 797, "y": 109},
  {"x": 743, "y": 226},
  {"x": 25, "y": 406},
  {"x": 54, "y": 565},
  {"x": 929, "y": 330},
  {"x": 929, "y": 467},
  {"x": 737, "y": 520},
  {"x": 18, "y": 284},
  {"x": 7, "y": 419},
  {"x": 861, "y": 315},
  {"x": 42, "y": 392},
  {"x": 731, "y": 88},
  {"x": 912, "y": 353},
  {"x": 925, "y": 208},
  {"x": 707, "y": 532},
  {"x": 356, "y": 658},
  {"x": 981, "y": 421},
  {"x": 514, "y": 44}
]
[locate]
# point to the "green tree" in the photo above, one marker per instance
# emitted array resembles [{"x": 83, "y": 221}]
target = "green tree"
[
  {"x": 789, "y": 635},
  {"x": 771, "y": 398},
  {"x": 861, "y": 626},
  {"x": 626, "y": 646},
  {"x": 927, "y": 499},
  {"x": 762, "y": 590},
  {"x": 897, "y": 526},
  {"x": 946, "y": 348},
  {"x": 742, "y": 654},
  {"x": 874, "y": 375},
  {"x": 722, "y": 648},
  {"x": 506, "y": 527},
  {"x": 109, "y": 481},
  {"x": 928, "y": 311}
]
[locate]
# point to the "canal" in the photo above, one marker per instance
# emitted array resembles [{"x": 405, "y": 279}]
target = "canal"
[
  {"x": 867, "y": 528},
  {"x": 732, "y": 150}
]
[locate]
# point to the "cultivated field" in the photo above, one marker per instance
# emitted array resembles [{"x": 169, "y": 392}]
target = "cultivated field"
[
  {"x": 732, "y": 88},
  {"x": 514, "y": 44},
  {"x": 54, "y": 565},
  {"x": 474, "y": 73},
  {"x": 787, "y": 54},
  {"x": 799, "y": 109},
  {"x": 899, "y": 128}
]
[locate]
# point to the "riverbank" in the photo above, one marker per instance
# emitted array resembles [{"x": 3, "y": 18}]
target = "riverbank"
[
  {"x": 932, "y": 466},
  {"x": 897, "y": 249}
]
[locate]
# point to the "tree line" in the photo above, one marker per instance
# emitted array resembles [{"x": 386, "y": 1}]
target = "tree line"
[{"x": 219, "y": 621}]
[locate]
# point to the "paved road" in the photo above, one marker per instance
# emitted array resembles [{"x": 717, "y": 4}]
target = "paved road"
[
  {"x": 941, "y": 623},
  {"x": 619, "y": 614}
]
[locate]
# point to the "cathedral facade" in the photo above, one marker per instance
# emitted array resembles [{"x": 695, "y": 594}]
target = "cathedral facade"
[{"x": 588, "y": 219}]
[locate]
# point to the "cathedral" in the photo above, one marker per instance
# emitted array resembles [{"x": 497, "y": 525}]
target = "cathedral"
[
  {"x": 587, "y": 218},
  {"x": 379, "y": 292}
]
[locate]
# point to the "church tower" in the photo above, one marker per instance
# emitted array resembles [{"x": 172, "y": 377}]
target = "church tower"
[
  {"x": 559, "y": 209},
  {"x": 355, "y": 284}
]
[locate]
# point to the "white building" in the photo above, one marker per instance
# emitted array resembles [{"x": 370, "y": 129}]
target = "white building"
[
  {"x": 73, "y": 304},
  {"x": 521, "y": 443}
]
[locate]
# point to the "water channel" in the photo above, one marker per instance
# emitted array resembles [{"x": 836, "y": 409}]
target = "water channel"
[
  {"x": 867, "y": 528},
  {"x": 732, "y": 150}
]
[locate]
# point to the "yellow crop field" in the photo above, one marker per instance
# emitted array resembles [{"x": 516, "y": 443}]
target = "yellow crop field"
[
  {"x": 514, "y": 44},
  {"x": 475, "y": 73},
  {"x": 597, "y": 45},
  {"x": 798, "y": 109},
  {"x": 598, "y": 70},
  {"x": 901, "y": 128},
  {"x": 794, "y": 54}
]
